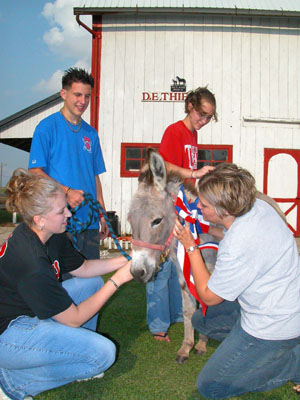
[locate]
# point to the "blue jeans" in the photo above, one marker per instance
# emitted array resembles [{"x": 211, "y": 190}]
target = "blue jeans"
[
  {"x": 88, "y": 243},
  {"x": 38, "y": 355},
  {"x": 243, "y": 363},
  {"x": 164, "y": 300}
]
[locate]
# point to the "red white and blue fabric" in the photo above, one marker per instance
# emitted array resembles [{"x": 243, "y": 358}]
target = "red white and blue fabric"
[{"x": 191, "y": 213}]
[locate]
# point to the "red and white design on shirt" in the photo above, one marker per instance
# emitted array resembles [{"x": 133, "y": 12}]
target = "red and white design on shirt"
[
  {"x": 192, "y": 153},
  {"x": 4, "y": 247},
  {"x": 56, "y": 269},
  {"x": 87, "y": 144}
]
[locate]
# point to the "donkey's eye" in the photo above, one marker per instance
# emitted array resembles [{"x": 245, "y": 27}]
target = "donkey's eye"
[{"x": 157, "y": 221}]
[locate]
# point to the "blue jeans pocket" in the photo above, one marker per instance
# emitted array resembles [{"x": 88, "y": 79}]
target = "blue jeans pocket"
[{"x": 23, "y": 323}]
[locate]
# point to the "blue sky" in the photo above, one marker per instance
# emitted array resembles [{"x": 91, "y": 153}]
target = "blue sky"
[{"x": 39, "y": 40}]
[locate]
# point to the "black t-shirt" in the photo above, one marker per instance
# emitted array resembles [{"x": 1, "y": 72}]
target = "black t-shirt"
[{"x": 30, "y": 272}]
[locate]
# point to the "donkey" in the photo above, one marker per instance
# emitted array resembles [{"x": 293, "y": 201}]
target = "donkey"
[{"x": 152, "y": 216}]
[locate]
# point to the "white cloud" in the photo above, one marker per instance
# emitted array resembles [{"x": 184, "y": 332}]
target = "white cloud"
[
  {"x": 65, "y": 39},
  {"x": 52, "y": 85}
]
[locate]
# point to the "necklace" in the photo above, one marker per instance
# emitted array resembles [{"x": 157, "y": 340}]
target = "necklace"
[{"x": 71, "y": 125}]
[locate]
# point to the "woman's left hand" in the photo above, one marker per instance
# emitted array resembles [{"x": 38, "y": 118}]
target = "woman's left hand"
[{"x": 183, "y": 234}]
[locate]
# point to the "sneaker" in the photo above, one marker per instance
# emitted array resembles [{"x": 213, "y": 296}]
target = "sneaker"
[
  {"x": 91, "y": 377},
  {"x": 3, "y": 396}
]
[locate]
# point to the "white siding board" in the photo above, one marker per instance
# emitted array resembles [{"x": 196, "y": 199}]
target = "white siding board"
[
  {"x": 247, "y": 156},
  {"x": 107, "y": 109},
  {"x": 215, "y": 85},
  {"x": 179, "y": 43},
  {"x": 255, "y": 81},
  {"x": 227, "y": 86},
  {"x": 264, "y": 74},
  {"x": 160, "y": 80},
  {"x": 169, "y": 72},
  {"x": 297, "y": 85},
  {"x": 121, "y": 60},
  {"x": 246, "y": 72},
  {"x": 128, "y": 118},
  {"x": 189, "y": 46},
  {"x": 147, "y": 133},
  {"x": 198, "y": 54},
  {"x": 274, "y": 68},
  {"x": 283, "y": 73},
  {"x": 139, "y": 82},
  {"x": 292, "y": 74}
]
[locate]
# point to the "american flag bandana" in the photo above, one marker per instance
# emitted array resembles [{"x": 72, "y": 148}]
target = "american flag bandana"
[{"x": 191, "y": 213}]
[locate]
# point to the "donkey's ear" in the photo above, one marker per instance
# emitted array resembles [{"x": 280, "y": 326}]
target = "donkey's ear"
[{"x": 158, "y": 170}]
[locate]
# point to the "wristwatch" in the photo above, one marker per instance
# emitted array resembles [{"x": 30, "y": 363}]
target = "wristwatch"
[{"x": 192, "y": 248}]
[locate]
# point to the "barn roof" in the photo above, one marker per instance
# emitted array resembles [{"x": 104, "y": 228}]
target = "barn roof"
[
  {"x": 24, "y": 143},
  {"x": 285, "y": 8}
]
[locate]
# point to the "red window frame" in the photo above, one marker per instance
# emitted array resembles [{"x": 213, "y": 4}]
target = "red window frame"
[
  {"x": 212, "y": 147},
  {"x": 133, "y": 174}
]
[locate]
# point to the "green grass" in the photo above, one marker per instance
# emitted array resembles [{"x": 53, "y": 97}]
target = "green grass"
[
  {"x": 5, "y": 216},
  {"x": 145, "y": 369}
]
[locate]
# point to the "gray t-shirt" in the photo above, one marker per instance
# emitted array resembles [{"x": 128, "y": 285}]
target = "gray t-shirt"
[{"x": 258, "y": 264}]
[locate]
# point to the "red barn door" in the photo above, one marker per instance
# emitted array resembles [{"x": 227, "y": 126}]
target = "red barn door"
[{"x": 281, "y": 181}]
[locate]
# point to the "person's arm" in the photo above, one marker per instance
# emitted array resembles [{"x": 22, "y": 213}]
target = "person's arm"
[
  {"x": 91, "y": 268},
  {"x": 75, "y": 315},
  {"x": 201, "y": 274},
  {"x": 187, "y": 173},
  {"x": 73, "y": 196},
  {"x": 104, "y": 228}
]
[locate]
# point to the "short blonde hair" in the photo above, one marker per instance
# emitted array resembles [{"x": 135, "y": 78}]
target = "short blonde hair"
[
  {"x": 229, "y": 188},
  {"x": 29, "y": 194}
]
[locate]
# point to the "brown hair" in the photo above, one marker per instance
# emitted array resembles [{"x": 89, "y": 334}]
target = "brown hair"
[
  {"x": 72, "y": 75},
  {"x": 195, "y": 97},
  {"x": 30, "y": 194},
  {"x": 228, "y": 188}
]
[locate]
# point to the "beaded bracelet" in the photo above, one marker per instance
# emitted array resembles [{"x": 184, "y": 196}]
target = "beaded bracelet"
[{"x": 114, "y": 283}]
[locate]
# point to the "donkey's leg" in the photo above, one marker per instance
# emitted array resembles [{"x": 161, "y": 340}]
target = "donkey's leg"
[
  {"x": 188, "y": 309},
  {"x": 200, "y": 347}
]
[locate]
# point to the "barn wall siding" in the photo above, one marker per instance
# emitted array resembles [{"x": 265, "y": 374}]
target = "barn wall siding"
[{"x": 250, "y": 64}]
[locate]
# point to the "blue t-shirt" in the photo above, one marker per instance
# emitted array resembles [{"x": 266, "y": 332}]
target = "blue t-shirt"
[{"x": 71, "y": 158}]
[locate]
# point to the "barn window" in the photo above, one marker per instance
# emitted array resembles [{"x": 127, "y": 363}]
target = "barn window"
[
  {"x": 133, "y": 156},
  {"x": 213, "y": 154}
]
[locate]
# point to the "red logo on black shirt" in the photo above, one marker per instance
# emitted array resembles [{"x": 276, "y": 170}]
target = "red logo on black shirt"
[
  {"x": 56, "y": 268},
  {"x": 4, "y": 247}
]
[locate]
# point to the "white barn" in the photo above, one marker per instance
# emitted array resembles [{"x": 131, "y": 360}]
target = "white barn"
[{"x": 147, "y": 54}]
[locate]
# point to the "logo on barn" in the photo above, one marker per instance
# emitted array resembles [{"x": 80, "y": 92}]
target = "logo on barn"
[
  {"x": 177, "y": 92},
  {"x": 178, "y": 85}
]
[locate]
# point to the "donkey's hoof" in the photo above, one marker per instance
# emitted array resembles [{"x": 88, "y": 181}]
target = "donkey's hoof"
[
  {"x": 199, "y": 352},
  {"x": 181, "y": 359}
]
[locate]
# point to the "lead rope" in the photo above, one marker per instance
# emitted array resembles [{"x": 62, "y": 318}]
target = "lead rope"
[{"x": 75, "y": 226}]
